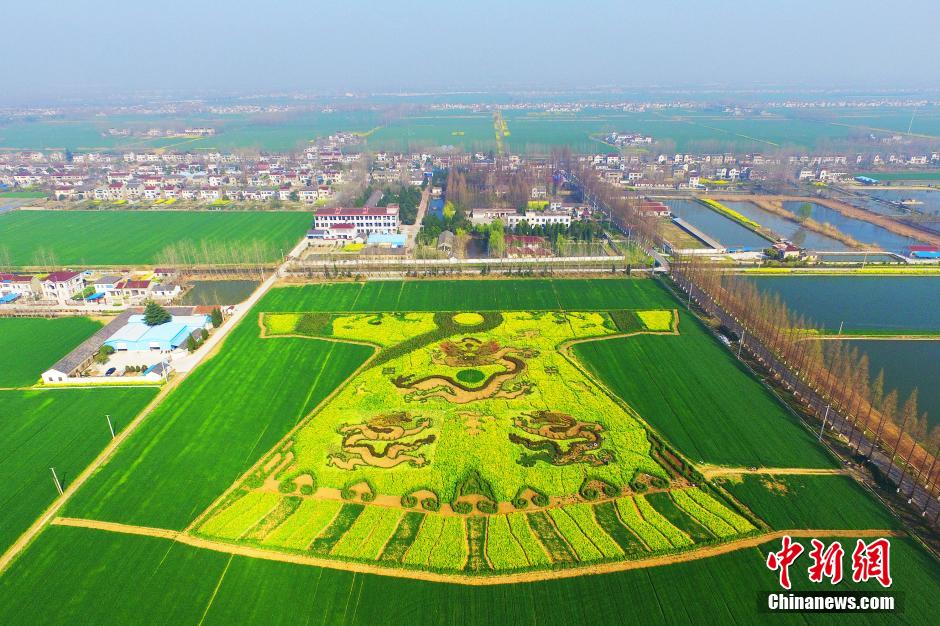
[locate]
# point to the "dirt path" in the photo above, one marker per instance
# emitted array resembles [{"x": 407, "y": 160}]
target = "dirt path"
[
  {"x": 711, "y": 471},
  {"x": 498, "y": 579},
  {"x": 894, "y": 226}
]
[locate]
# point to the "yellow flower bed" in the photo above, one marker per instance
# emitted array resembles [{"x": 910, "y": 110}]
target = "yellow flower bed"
[
  {"x": 280, "y": 323},
  {"x": 468, "y": 319},
  {"x": 656, "y": 320}
]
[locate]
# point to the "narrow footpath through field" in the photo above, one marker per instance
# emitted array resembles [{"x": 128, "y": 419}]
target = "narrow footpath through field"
[{"x": 711, "y": 471}]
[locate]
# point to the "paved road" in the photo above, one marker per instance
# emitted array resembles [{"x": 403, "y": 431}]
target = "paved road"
[{"x": 412, "y": 229}]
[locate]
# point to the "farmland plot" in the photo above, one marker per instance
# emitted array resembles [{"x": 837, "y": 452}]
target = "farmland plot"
[{"x": 60, "y": 428}]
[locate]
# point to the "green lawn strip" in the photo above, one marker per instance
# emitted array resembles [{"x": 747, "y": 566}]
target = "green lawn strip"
[
  {"x": 654, "y": 539},
  {"x": 503, "y": 550},
  {"x": 367, "y": 536},
  {"x": 428, "y": 535},
  {"x": 471, "y": 295},
  {"x": 79, "y": 575},
  {"x": 63, "y": 429},
  {"x": 555, "y": 545},
  {"x": 241, "y": 515},
  {"x": 667, "y": 507},
  {"x": 450, "y": 553},
  {"x": 477, "y": 530},
  {"x": 793, "y": 501},
  {"x": 714, "y": 523},
  {"x": 139, "y": 237},
  {"x": 248, "y": 396},
  {"x": 403, "y": 537},
  {"x": 330, "y": 536},
  {"x": 48, "y": 340},
  {"x": 286, "y": 507},
  {"x": 300, "y": 529},
  {"x": 522, "y": 532},
  {"x": 701, "y": 399},
  {"x": 608, "y": 517},
  {"x": 656, "y": 519}
]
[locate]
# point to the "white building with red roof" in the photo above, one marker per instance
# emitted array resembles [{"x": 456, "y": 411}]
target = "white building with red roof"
[{"x": 61, "y": 286}]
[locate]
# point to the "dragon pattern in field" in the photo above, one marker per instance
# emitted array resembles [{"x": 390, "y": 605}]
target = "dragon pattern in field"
[{"x": 560, "y": 439}]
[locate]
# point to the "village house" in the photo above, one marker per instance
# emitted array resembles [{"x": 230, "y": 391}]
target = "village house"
[
  {"x": 20, "y": 286},
  {"x": 60, "y": 286}
]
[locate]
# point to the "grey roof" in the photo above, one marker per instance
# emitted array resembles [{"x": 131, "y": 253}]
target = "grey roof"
[{"x": 107, "y": 280}]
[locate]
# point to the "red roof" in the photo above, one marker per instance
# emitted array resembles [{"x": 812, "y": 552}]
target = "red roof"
[
  {"x": 136, "y": 284},
  {"x": 335, "y": 226},
  {"x": 15, "y": 278},
  {"x": 924, "y": 248},
  {"x": 60, "y": 277},
  {"x": 352, "y": 212}
]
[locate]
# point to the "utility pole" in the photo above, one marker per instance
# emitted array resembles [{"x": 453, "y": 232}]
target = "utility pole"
[
  {"x": 55, "y": 479},
  {"x": 110, "y": 426},
  {"x": 823, "y": 426},
  {"x": 741, "y": 343}
]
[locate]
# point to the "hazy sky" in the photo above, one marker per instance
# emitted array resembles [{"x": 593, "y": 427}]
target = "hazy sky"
[{"x": 83, "y": 46}]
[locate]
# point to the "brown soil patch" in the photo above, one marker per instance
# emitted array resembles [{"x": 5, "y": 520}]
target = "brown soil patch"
[{"x": 774, "y": 486}]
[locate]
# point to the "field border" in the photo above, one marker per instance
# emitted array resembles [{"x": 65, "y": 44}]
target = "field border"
[{"x": 703, "y": 552}]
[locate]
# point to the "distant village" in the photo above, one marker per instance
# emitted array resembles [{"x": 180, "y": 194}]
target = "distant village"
[{"x": 313, "y": 176}]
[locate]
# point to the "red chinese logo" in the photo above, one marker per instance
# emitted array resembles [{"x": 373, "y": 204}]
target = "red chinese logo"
[
  {"x": 869, "y": 561},
  {"x": 783, "y": 559},
  {"x": 826, "y": 563},
  {"x": 872, "y": 560}
]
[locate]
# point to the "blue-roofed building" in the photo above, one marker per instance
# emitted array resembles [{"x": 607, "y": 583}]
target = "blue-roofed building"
[
  {"x": 388, "y": 240},
  {"x": 136, "y": 335}
]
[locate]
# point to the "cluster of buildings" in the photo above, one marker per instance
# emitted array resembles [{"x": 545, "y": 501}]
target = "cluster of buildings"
[
  {"x": 310, "y": 177},
  {"x": 696, "y": 171},
  {"x": 70, "y": 287}
]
